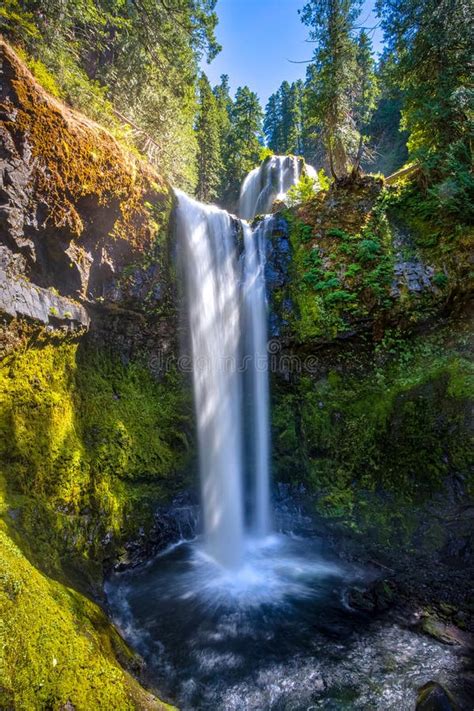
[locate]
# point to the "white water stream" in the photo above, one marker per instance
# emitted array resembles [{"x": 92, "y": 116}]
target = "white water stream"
[{"x": 227, "y": 312}]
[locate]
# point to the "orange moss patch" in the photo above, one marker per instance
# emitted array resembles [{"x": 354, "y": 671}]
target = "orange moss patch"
[{"x": 74, "y": 158}]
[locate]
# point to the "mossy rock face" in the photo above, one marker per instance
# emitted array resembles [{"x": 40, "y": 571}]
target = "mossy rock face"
[
  {"x": 95, "y": 431},
  {"x": 372, "y": 383},
  {"x": 89, "y": 446},
  {"x": 79, "y": 209},
  {"x": 376, "y": 435},
  {"x": 57, "y": 648},
  {"x": 362, "y": 264}
]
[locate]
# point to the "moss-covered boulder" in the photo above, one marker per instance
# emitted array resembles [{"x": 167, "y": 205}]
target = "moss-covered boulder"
[{"x": 57, "y": 648}]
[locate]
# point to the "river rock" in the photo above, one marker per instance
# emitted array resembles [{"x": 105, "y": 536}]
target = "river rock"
[
  {"x": 433, "y": 697},
  {"x": 377, "y": 598}
]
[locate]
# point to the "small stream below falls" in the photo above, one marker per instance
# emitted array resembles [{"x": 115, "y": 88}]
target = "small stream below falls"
[{"x": 276, "y": 635}]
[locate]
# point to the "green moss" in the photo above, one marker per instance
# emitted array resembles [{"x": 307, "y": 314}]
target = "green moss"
[
  {"x": 76, "y": 159},
  {"x": 57, "y": 647},
  {"x": 379, "y": 437},
  {"x": 343, "y": 257},
  {"x": 339, "y": 276},
  {"x": 442, "y": 240},
  {"x": 88, "y": 446}
]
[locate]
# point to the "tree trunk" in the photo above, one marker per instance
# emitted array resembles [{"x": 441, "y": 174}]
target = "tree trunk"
[{"x": 355, "y": 172}]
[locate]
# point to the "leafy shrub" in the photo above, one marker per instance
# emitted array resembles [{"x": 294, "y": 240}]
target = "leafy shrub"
[
  {"x": 440, "y": 279},
  {"x": 368, "y": 250}
]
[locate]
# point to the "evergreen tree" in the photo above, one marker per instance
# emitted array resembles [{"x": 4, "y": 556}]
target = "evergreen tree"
[
  {"x": 366, "y": 93},
  {"x": 283, "y": 122},
  {"x": 431, "y": 45},
  {"x": 245, "y": 140},
  {"x": 330, "y": 89},
  {"x": 388, "y": 140},
  {"x": 224, "y": 100},
  {"x": 209, "y": 143},
  {"x": 313, "y": 150},
  {"x": 294, "y": 137},
  {"x": 224, "y": 104},
  {"x": 284, "y": 94},
  {"x": 272, "y": 123}
]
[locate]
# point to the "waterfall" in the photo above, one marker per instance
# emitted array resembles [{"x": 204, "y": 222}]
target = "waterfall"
[
  {"x": 271, "y": 180},
  {"x": 255, "y": 319},
  {"x": 213, "y": 302},
  {"x": 227, "y": 311}
]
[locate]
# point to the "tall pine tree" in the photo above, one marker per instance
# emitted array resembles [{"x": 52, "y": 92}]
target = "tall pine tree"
[
  {"x": 330, "y": 89},
  {"x": 208, "y": 127},
  {"x": 365, "y": 95},
  {"x": 245, "y": 140}
]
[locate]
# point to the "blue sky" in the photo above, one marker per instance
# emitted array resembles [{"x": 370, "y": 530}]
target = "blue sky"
[{"x": 258, "y": 39}]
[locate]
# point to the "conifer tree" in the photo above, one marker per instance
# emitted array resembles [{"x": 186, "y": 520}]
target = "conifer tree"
[
  {"x": 208, "y": 129},
  {"x": 330, "y": 90},
  {"x": 283, "y": 122},
  {"x": 365, "y": 95},
  {"x": 431, "y": 45},
  {"x": 245, "y": 139},
  {"x": 294, "y": 138},
  {"x": 272, "y": 123}
]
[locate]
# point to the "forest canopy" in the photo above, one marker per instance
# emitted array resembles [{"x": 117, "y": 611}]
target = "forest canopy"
[{"x": 135, "y": 67}]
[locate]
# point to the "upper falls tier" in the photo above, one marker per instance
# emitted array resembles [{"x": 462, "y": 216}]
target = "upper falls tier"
[{"x": 271, "y": 180}]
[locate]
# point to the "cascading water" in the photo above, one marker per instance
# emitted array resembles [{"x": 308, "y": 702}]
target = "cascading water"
[
  {"x": 255, "y": 319},
  {"x": 213, "y": 298},
  {"x": 228, "y": 318},
  {"x": 271, "y": 180}
]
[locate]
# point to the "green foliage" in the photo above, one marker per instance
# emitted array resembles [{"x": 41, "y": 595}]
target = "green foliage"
[
  {"x": 17, "y": 19},
  {"x": 138, "y": 59},
  {"x": 431, "y": 49},
  {"x": 42, "y": 74},
  {"x": 323, "y": 180},
  {"x": 388, "y": 140},
  {"x": 244, "y": 141},
  {"x": 338, "y": 277},
  {"x": 302, "y": 191},
  {"x": 368, "y": 249},
  {"x": 331, "y": 78},
  {"x": 440, "y": 279},
  {"x": 208, "y": 128},
  {"x": 366, "y": 94},
  {"x": 264, "y": 153},
  {"x": 283, "y": 122}
]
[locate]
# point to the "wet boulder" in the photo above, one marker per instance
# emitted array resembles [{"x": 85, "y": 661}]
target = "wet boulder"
[
  {"x": 433, "y": 697},
  {"x": 379, "y": 597}
]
